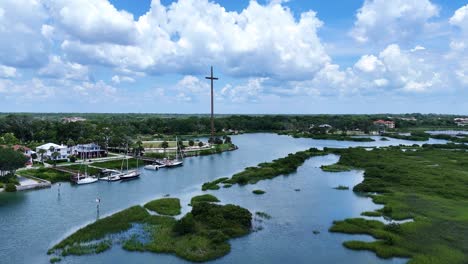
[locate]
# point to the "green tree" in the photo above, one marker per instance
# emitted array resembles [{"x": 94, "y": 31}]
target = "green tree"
[
  {"x": 200, "y": 144},
  {"x": 10, "y": 161},
  {"x": 8, "y": 139},
  {"x": 41, "y": 153},
  {"x": 70, "y": 142},
  {"x": 191, "y": 143},
  {"x": 164, "y": 145},
  {"x": 54, "y": 157}
]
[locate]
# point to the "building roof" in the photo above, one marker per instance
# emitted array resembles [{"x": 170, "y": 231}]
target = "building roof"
[
  {"x": 16, "y": 147},
  {"x": 383, "y": 122},
  {"x": 48, "y": 145}
]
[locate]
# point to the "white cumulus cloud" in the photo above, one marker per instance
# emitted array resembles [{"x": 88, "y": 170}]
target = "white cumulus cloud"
[{"x": 389, "y": 21}]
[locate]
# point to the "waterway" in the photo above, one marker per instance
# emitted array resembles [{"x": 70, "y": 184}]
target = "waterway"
[{"x": 33, "y": 221}]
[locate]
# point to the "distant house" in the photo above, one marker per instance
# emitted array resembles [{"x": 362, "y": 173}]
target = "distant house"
[
  {"x": 61, "y": 149},
  {"x": 387, "y": 124},
  {"x": 26, "y": 151},
  {"x": 461, "y": 121},
  {"x": 87, "y": 151},
  {"x": 73, "y": 119}
]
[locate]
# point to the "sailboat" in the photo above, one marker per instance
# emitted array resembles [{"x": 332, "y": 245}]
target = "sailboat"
[
  {"x": 179, "y": 158},
  {"x": 129, "y": 174},
  {"x": 111, "y": 175},
  {"x": 85, "y": 179}
]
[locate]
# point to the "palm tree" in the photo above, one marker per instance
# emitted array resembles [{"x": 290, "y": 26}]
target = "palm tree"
[
  {"x": 54, "y": 157},
  {"x": 164, "y": 145},
  {"x": 42, "y": 152},
  {"x": 140, "y": 148}
]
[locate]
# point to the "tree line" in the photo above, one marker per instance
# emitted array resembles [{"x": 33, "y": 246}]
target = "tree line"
[{"x": 120, "y": 129}]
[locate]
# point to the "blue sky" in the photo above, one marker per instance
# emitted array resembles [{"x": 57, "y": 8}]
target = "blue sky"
[{"x": 272, "y": 56}]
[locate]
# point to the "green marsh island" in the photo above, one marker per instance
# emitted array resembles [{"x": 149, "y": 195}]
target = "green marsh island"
[
  {"x": 427, "y": 186},
  {"x": 201, "y": 235}
]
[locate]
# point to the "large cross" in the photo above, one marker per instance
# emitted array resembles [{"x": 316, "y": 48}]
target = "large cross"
[{"x": 212, "y": 103}]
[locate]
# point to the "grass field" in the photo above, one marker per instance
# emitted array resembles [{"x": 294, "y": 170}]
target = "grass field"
[
  {"x": 48, "y": 174},
  {"x": 427, "y": 185}
]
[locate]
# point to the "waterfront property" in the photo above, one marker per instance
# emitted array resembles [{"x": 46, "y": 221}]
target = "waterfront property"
[
  {"x": 45, "y": 152},
  {"x": 384, "y": 123},
  {"x": 86, "y": 151},
  {"x": 26, "y": 151}
]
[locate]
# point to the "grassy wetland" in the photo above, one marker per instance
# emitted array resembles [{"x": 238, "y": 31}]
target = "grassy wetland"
[
  {"x": 265, "y": 170},
  {"x": 427, "y": 185},
  {"x": 200, "y": 235}
]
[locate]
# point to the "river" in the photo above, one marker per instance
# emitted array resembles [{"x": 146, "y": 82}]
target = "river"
[{"x": 33, "y": 221}]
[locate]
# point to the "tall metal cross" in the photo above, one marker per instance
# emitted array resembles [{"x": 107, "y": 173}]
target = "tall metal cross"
[{"x": 212, "y": 102}]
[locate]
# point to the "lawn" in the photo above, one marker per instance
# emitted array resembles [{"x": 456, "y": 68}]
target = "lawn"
[{"x": 48, "y": 174}]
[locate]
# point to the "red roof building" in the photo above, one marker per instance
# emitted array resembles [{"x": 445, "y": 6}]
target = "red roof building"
[{"x": 388, "y": 124}]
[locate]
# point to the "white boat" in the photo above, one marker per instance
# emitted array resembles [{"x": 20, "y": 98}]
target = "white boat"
[
  {"x": 130, "y": 175},
  {"x": 173, "y": 163},
  {"x": 154, "y": 166},
  {"x": 179, "y": 159},
  {"x": 86, "y": 180},
  {"x": 111, "y": 176}
]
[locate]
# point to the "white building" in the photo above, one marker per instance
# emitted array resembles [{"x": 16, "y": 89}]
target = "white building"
[
  {"x": 86, "y": 151},
  {"x": 460, "y": 121},
  {"x": 61, "y": 149}
]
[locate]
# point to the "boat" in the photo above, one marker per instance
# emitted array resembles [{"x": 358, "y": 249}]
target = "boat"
[
  {"x": 179, "y": 159},
  {"x": 154, "y": 166},
  {"x": 111, "y": 176},
  {"x": 84, "y": 178},
  {"x": 128, "y": 174}
]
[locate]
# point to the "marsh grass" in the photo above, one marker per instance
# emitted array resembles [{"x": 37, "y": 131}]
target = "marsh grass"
[
  {"x": 341, "y": 188},
  {"x": 165, "y": 206},
  {"x": 266, "y": 170},
  {"x": 204, "y": 198},
  {"x": 436, "y": 197},
  {"x": 335, "y": 168},
  {"x": 258, "y": 192},
  {"x": 206, "y": 232}
]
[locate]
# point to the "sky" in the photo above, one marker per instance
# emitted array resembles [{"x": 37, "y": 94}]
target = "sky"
[{"x": 271, "y": 56}]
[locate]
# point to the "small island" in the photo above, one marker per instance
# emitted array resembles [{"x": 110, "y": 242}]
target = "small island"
[
  {"x": 258, "y": 192},
  {"x": 200, "y": 235}
]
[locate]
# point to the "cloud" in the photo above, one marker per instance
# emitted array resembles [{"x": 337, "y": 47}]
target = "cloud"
[
  {"x": 460, "y": 18},
  {"x": 22, "y": 44},
  {"x": 384, "y": 21},
  {"x": 251, "y": 91},
  {"x": 369, "y": 63},
  {"x": 7, "y": 72},
  {"x": 459, "y": 44},
  {"x": 187, "y": 36},
  {"x": 95, "y": 92},
  {"x": 58, "y": 69},
  {"x": 119, "y": 79},
  {"x": 93, "y": 21}
]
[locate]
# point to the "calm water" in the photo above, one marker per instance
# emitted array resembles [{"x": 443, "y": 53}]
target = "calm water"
[{"x": 31, "y": 222}]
